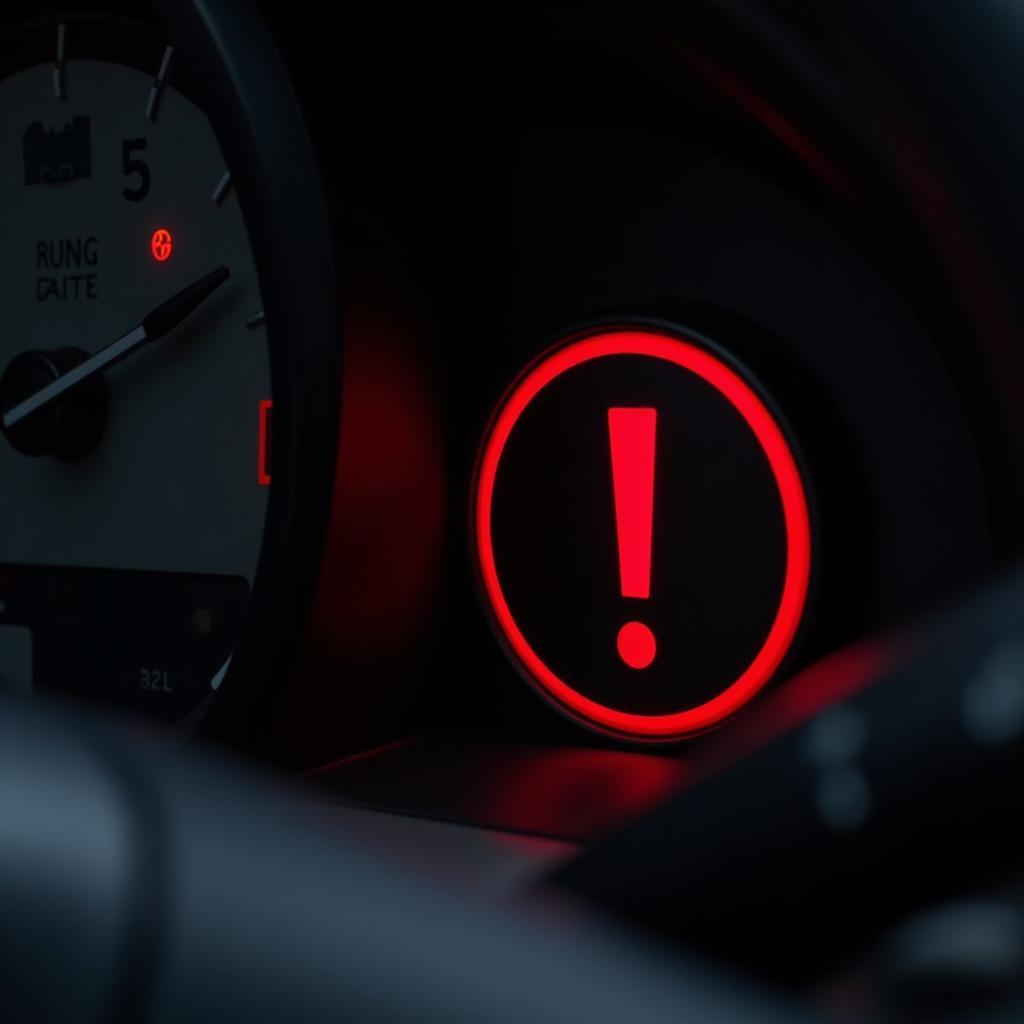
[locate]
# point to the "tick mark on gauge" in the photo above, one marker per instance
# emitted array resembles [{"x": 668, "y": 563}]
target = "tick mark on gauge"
[
  {"x": 59, "y": 82},
  {"x": 157, "y": 88},
  {"x": 222, "y": 189},
  {"x": 219, "y": 677}
]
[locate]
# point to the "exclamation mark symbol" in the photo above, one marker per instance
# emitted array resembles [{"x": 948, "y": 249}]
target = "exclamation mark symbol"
[{"x": 632, "y": 434}]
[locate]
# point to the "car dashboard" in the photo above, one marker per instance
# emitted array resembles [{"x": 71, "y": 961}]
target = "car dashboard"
[{"x": 575, "y": 448}]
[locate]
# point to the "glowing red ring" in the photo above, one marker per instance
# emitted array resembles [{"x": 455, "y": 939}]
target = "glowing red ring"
[{"x": 795, "y": 514}]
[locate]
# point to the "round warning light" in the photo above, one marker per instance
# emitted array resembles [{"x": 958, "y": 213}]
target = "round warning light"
[{"x": 642, "y": 532}]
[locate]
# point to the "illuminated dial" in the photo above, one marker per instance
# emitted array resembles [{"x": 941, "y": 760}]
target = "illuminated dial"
[
  {"x": 642, "y": 532},
  {"x": 136, "y": 382}
]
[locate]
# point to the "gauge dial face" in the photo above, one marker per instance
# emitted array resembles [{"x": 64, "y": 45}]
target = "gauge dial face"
[
  {"x": 642, "y": 533},
  {"x": 133, "y": 504}
]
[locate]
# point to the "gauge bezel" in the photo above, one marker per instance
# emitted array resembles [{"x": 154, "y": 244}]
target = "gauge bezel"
[{"x": 248, "y": 96}]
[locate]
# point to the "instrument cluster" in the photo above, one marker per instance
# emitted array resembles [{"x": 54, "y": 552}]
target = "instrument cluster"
[{"x": 565, "y": 384}]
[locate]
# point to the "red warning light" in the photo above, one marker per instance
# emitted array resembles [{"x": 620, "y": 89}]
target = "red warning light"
[
  {"x": 161, "y": 245},
  {"x": 733, "y": 555}
]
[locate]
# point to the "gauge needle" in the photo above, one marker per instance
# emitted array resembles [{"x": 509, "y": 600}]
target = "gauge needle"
[{"x": 154, "y": 325}]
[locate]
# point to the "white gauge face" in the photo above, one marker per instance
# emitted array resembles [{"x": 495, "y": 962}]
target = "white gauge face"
[
  {"x": 125, "y": 567},
  {"x": 87, "y": 184}
]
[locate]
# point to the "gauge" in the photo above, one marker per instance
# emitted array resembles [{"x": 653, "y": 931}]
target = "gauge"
[
  {"x": 643, "y": 531},
  {"x": 139, "y": 397}
]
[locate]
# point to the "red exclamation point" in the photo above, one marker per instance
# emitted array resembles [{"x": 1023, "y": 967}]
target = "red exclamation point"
[{"x": 632, "y": 433}]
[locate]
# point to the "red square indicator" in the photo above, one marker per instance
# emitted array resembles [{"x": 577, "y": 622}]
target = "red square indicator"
[{"x": 263, "y": 458}]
